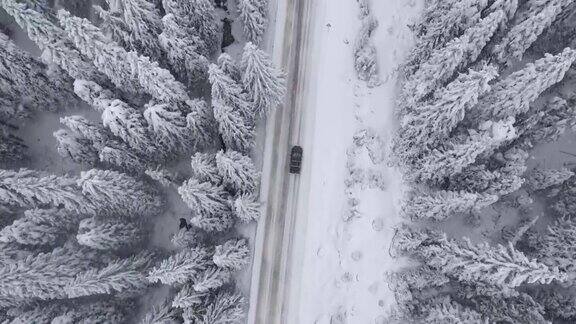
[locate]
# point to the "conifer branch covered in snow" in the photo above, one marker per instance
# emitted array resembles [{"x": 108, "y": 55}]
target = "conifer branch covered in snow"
[
  {"x": 40, "y": 227},
  {"x": 253, "y": 17},
  {"x": 233, "y": 254},
  {"x": 181, "y": 267},
  {"x": 109, "y": 234}
]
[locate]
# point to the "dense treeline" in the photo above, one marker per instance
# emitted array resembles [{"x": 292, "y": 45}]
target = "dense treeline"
[
  {"x": 76, "y": 248},
  {"x": 487, "y": 82}
]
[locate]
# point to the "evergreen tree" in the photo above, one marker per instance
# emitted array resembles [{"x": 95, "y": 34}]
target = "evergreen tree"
[
  {"x": 237, "y": 132},
  {"x": 120, "y": 118},
  {"x": 127, "y": 70},
  {"x": 447, "y": 311},
  {"x": 246, "y": 208},
  {"x": 162, "y": 313},
  {"x": 86, "y": 129},
  {"x": 181, "y": 267},
  {"x": 234, "y": 254},
  {"x": 524, "y": 34},
  {"x": 187, "y": 238},
  {"x": 227, "y": 64},
  {"x": 211, "y": 278},
  {"x": 204, "y": 168},
  {"x": 43, "y": 314},
  {"x": 119, "y": 156},
  {"x": 77, "y": 149},
  {"x": 183, "y": 50},
  {"x": 52, "y": 40},
  {"x": 435, "y": 120},
  {"x": 463, "y": 150},
  {"x": 557, "y": 305},
  {"x": 204, "y": 198},
  {"x": 458, "y": 53},
  {"x": 196, "y": 17},
  {"x": 548, "y": 123},
  {"x": 118, "y": 276},
  {"x": 12, "y": 148},
  {"x": 514, "y": 94},
  {"x": 144, "y": 23},
  {"x": 108, "y": 235},
  {"x": 229, "y": 92},
  {"x": 94, "y": 312},
  {"x": 188, "y": 297},
  {"x": 441, "y": 22},
  {"x": 540, "y": 179},
  {"x": 29, "y": 80},
  {"x": 118, "y": 193},
  {"x": 253, "y": 16},
  {"x": 28, "y": 188},
  {"x": 112, "y": 25},
  {"x": 238, "y": 171},
  {"x": 557, "y": 246},
  {"x": 499, "y": 265},
  {"x": 225, "y": 308},
  {"x": 213, "y": 222},
  {"x": 42, "y": 276},
  {"x": 265, "y": 84},
  {"x": 441, "y": 205},
  {"x": 39, "y": 227}
]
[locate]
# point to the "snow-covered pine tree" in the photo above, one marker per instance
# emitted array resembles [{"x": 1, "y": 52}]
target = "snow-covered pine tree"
[
  {"x": 112, "y": 25},
  {"x": 119, "y": 117},
  {"x": 161, "y": 313},
  {"x": 86, "y": 129},
  {"x": 45, "y": 313},
  {"x": 504, "y": 176},
  {"x": 52, "y": 40},
  {"x": 204, "y": 198},
  {"x": 27, "y": 79},
  {"x": 182, "y": 266},
  {"x": 213, "y": 222},
  {"x": 127, "y": 70},
  {"x": 253, "y": 16},
  {"x": 501, "y": 304},
  {"x": 458, "y": 53},
  {"x": 450, "y": 312},
  {"x": 441, "y": 22},
  {"x": 265, "y": 84},
  {"x": 41, "y": 276},
  {"x": 12, "y": 147},
  {"x": 188, "y": 297},
  {"x": 226, "y": 90},
  {"x": 76, "y": 148},
  {"x": 187, "y": 238},
  {"x": 111, "y": 235},
  {"x": 234, "y": 254},
  {"x": 557, "y": 246},
  {"x": 238, "y": 172},
  {"x": 499, "y": 265},
  {"x": 40, "y": 227},
  {"x": 521, "y": 36},
  {"x": 117, "y": 155},
  {"x": 237, "y": 132},
  {"x": 365, "y": 53},
  {"x": 514, "y": 94},
  {"x": 204, "y": 168},
  {"x": 433, "y": 122},
  {"x": 113, "y": 311},
  {"x": 144, "y": 24},
  {"x": 227, "y": 64},
  {"x": 441, "y": 205},
  {"x": 183, "y": 51},
  {"x": 119, "y": 194},
  {"x": 197, "y": 17},
  {"x": 461, "y": 151},
  {"x": 226, "y": 307},
  {"x": 118, "y": 276},
  {"x": 532, "y": 8},
  {"x": 557, "y": 305},
  {"x": 548, "y": 123},
  {"x": 540, "y": 179},
  {"x": 211, "y": 278},
  {"x": 28, "y": 188},
  {"x": 246, "y": 208}
]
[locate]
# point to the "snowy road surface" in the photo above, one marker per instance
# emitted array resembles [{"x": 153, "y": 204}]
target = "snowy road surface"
[{"x": 311, "y": 265}]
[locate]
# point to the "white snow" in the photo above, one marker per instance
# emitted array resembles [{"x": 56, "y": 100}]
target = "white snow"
[{"x": 338, "y": 270}]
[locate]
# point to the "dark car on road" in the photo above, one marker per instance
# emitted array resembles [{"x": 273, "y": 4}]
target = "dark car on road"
[{"x": 296, "y": 159}]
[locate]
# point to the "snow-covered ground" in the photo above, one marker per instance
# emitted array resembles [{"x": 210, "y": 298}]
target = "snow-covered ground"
[{"x": 339, "y": 265}]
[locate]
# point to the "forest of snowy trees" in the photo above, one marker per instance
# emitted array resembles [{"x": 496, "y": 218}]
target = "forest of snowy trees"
[
  {"x": 177, "y": 117},
  {"x": 488, "y": 83}
]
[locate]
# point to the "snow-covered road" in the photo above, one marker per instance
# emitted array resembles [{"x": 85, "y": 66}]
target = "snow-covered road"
[{"x": 311, "y": 265}]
